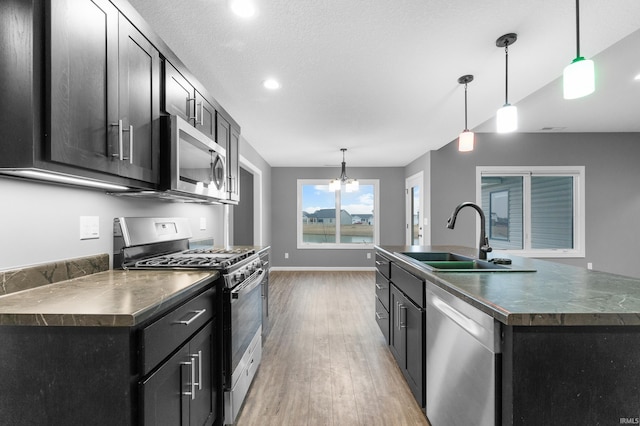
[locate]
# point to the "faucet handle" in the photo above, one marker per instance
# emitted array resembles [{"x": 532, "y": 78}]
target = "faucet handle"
[{"x": 486, "y": 247}]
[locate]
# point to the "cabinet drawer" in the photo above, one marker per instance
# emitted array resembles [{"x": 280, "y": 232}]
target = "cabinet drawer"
[
  {"x": 162, "y": 337},
  {"x": 409, "y": 284},
  {"x": 382, "y": 318},
  {"x": 382, "y": 289},
  {"x": 382, "y": 264}
]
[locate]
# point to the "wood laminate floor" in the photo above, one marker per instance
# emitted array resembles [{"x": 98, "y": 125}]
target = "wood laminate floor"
[{"x": 325, "y": 361}]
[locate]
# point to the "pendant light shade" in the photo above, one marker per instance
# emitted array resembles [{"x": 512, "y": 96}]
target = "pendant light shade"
[
  {"x": 466, "y": 138},
  {"x": 578, "y": 78},
  {"x": 507, "y": 116},
  {"x": 351, "y": 185}
]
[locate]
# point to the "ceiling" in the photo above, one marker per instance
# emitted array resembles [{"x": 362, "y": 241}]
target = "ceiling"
[{"x": 379, "y": 77}]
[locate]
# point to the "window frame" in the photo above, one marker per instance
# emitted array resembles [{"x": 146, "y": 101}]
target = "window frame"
[
  {"x": 349, "y": 246},
  {"x": 526, "y": 172}
]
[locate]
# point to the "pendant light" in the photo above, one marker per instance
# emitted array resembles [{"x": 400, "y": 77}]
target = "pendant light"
[
  {"x": 466, "y": 138},
  {"x": 351, "y": 185},
  {"x": 507, "y": 117},
  {"x": 578, "y": 78}
]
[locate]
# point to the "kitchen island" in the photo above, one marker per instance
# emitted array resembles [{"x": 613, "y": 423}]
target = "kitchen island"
[
  {"x": 568, "y": 338},
  {"x": 113, "y": 347}
]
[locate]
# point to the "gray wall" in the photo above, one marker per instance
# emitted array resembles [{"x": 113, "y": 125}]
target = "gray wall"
[
  {"x": 284, "y": 216},
  {"x": 612, "y": 178},
  {"x": 40, "y": 222}
]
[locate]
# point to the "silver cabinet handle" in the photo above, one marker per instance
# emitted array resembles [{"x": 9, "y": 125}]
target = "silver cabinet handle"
[
  {"x": 193, "y": 318},
  {"x": 191, "y": 363},
  {"x": 379, "y": 287},
  {"x": 378, "y": 262},
  {"x": 201, "y": 121},
  {"x": 130, "y": 144},
  {"x": 119, "y": 154},
  {"x": 380, "y": 316},
  {"x": 402, "y": 324},
  {"x": 199, "y": 382}
]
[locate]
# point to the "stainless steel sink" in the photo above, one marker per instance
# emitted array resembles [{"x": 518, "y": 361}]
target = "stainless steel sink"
[{"x": 452, "y": 262}]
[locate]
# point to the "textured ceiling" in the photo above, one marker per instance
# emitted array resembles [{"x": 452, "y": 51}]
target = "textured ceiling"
[{"x": 379, "y": 77}]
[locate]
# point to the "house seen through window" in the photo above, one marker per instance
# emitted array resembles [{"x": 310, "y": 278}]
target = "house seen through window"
[
  {"x": 538, "y": 211},
  {"x": 337, "y": 219}
]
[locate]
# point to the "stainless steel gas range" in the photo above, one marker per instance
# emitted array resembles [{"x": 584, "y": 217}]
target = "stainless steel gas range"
[{"x": 156, "y": 243}]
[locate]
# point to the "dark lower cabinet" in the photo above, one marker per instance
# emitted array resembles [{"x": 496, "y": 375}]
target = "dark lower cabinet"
[
  {"x": 162, "y": 372},
  {"x": 407, "y": 343},
  {"x": 183, "y": 390}
]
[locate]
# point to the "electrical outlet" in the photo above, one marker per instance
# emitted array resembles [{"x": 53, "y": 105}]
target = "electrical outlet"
[
  {"x": 286, "y": 255},
  {"x": 203, "y": 223},
  {"x": 89, "y": 227},
  {"x": 589, "y": 265},
  {"x": 368, "y": 255}
]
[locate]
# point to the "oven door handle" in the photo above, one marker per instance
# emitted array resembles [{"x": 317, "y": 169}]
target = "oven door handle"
[{"x": 247, "y": 286}]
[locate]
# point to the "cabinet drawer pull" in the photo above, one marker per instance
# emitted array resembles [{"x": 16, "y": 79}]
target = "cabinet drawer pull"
[
  {"x": 201, "y": 121},
  {"x": 380, "y": 316},
  {"x": 403, "y": 324},
  {"x": 379, "y": 287},
  {"x": 193, "y": 318}
]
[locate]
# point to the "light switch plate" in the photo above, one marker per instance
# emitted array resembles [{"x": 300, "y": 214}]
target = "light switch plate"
[
  {"x": 203, "y": 223},
  {"x": 89, "y": 227}
]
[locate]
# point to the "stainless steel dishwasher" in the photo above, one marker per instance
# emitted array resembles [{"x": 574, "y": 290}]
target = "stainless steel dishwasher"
[{"x": 463, "y": 362}]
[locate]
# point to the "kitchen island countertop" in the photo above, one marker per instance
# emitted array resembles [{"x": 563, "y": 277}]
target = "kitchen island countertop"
[
  {"x": 555, "y": 295},
  {"x": 113, "y": 298}
]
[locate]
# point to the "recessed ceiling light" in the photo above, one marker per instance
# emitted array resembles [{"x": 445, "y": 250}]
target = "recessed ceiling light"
[
  {"x": 243, "y": 8},
  {"x": 271, "y": 84},
  {"x": 637, "y": 77}
]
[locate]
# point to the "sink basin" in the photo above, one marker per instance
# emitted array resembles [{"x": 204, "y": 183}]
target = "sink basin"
[{"x": 452, "y": 262}]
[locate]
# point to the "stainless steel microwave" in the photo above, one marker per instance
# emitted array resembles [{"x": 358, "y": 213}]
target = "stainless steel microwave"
[
  {"x": 197, "y": 165},
  {"x": 193, "y": 166}
]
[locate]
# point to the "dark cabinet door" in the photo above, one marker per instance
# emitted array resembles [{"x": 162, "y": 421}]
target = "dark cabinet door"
[
  {"x": 233, "y": 159},
  {"x": 82, "y": 77},
  {"x": 414, "y": 318},
  {"x": 163, "y": 393},
  {"x": 397, "y": 334},
  {"x": 229, "y": 138},
  {"x": 205, "y": 116},
  {"x": 179, "y": 95},
  {"x": 183, "y": 391},
  {"x": 202, "y": 405},
  {"x": 407, "y": 340},
  {"x": 139, "y": 81}
]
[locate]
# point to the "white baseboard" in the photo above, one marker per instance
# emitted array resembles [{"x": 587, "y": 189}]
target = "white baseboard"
[{"x": 322, "y": 268}]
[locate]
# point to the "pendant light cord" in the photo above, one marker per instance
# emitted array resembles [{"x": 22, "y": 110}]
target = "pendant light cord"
[
  {"x": 465, "y": 108},
  {"x": 577, "y": 28},
  {"x": 506, "y": 75}
]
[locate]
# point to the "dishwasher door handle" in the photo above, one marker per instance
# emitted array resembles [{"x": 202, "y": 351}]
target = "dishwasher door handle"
[{"x": 469, "y": 325}]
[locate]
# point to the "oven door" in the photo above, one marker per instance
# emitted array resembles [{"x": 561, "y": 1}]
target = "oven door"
[{"x": 246, "y": 317}]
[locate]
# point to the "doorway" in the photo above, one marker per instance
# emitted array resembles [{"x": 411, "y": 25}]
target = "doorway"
[
  {"x": 243, "y": 212},
  {"x": 414, "y": 194}
]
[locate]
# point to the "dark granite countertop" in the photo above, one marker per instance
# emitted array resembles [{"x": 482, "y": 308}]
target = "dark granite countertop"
[
  {"x": 554, "y": 295},
  {"x": 109, "y": 298}
]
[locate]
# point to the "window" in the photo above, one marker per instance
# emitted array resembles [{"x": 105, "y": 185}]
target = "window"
[
  {"x": 536, "y": 211},
  {"x": 340, "y": 219}
]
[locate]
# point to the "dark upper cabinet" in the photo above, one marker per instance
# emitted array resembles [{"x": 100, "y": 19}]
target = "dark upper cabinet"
[
  {"x": 139, "y": 103},
  {"x": 229, "y": 137},
  {"x": 104, "y": 97},
  {"x": 83, "y": 80},
  {"x": 183, "y": 100}
]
